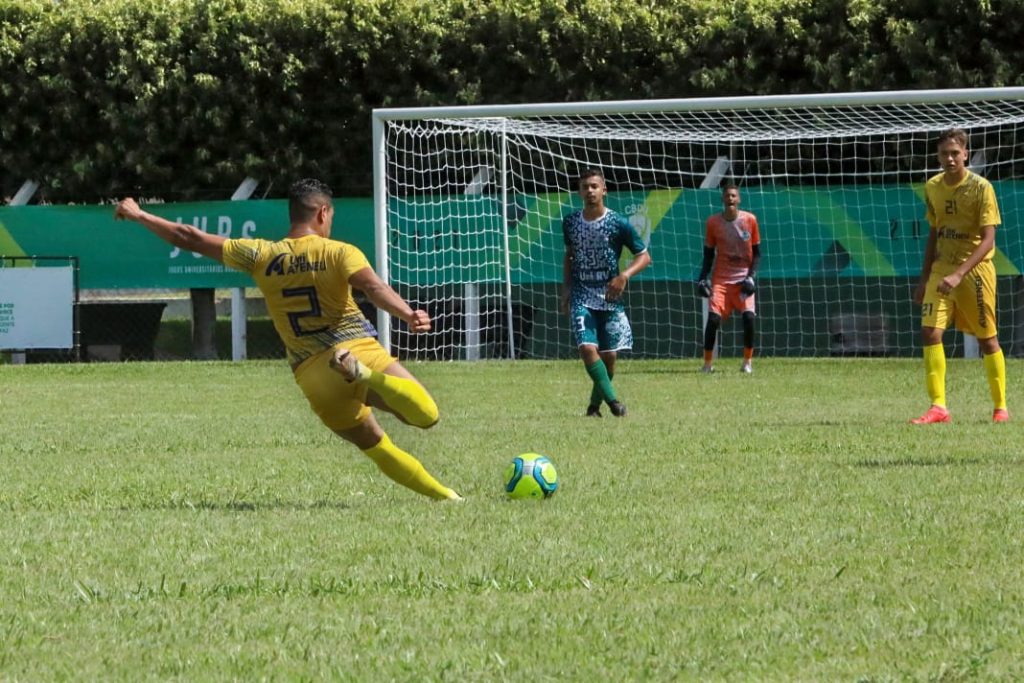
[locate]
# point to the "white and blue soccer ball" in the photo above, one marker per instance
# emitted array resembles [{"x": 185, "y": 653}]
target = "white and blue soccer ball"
[{"x": 530, "y": 475}]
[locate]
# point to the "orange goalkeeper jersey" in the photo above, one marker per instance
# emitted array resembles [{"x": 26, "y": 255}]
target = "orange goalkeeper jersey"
[{"x": 733, "y": 242}]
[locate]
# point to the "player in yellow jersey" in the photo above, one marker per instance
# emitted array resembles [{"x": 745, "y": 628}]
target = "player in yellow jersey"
[
  {"x": 958, "y": 280},
  {"x": 307, "y": 281}
]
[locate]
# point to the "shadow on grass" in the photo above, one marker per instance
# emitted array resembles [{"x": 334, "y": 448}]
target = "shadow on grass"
[
  {"x": 783, "y": 423},
  {"x": 695, "y": 369},
  {"x": 240, "y": 505},
  {"x": 941, "y": 461}
]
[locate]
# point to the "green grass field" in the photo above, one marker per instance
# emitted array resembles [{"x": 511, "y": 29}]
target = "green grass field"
[{"x": 190, "y": 522}]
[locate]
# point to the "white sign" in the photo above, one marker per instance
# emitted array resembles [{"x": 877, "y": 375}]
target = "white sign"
[{"x": 37, "y": 308}]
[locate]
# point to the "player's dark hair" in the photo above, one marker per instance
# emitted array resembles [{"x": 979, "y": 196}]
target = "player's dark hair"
[
  {"x": 590, "y": 173},
  {"x": 957, "y": 135},
  {"x": 305, "y": 197},
  {"x": 729, "y": 185}
]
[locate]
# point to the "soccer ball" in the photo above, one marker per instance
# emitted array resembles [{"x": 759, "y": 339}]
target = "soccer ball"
[{"x": 530, "y": 476}]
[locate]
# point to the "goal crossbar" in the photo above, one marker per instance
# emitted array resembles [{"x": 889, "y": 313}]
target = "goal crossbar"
[{"x": 935, "y": 96}]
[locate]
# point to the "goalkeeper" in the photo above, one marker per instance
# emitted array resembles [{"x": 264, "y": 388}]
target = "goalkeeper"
[
  {"x": 732, "y": 241},
  {"x": 307, "y": 280},
  {"x": 592, "y": 286}
]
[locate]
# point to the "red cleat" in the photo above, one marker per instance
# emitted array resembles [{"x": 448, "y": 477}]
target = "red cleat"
[
  {"x": 1000, "y": 415},
  {"x": 934, "y": 414}
]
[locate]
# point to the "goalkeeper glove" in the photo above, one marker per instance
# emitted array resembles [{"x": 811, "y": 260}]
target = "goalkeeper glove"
[
  {"x": 703, "y": 289},
  {"x": 747, "y": 286}
]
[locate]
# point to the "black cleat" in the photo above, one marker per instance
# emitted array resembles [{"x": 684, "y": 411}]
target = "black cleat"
[
  {"x": 618, "y": 409},
  {"x": 593, "y": 411}
]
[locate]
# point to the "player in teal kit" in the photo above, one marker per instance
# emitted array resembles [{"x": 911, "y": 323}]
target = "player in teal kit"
[{"x": 592, "y": 286}]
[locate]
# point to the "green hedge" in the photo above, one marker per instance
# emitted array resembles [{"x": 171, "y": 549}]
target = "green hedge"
[{"x": 183, "y": 98}]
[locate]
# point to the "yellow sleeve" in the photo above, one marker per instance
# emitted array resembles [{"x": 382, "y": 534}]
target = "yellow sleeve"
[
  {"x": 989, "y": 214},
  {"x": 352, "y": 260},
  {"x": 242, "y": 254}
]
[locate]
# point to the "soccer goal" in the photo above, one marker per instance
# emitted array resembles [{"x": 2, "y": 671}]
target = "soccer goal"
[{"x": 469, "y": 202}]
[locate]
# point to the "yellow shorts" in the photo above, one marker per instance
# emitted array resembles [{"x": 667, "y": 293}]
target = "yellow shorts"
[
  {"x": 340, "y": 405},
  {"x": 971, "y": 306}
]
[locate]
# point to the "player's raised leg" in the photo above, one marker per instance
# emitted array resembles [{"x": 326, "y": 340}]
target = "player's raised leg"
[
  {"x": 343, "y": 406},
  {"x": 397, "y": 389},
  {"x": 398, "y": 465}
]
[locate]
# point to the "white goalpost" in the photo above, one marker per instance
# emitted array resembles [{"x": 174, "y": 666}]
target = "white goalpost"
[{"x": 469, "y": 202}]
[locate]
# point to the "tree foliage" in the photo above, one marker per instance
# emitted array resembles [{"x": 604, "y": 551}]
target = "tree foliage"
[{"x": 184, "y": 98}]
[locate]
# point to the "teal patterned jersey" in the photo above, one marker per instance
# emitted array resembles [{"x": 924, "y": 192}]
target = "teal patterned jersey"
[{"x": 596, "y": 247}]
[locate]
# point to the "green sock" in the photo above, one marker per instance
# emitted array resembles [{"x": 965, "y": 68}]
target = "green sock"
[
  {"x": 602, "y": 381},
  {"x": 596, "y": 395}
]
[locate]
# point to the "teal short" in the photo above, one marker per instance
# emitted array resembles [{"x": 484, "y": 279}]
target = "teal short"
[{"x": 607, "y": 330}]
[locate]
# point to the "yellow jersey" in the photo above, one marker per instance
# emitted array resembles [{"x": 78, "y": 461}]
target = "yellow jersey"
[
  {"x": 305, "y": 284},
  {"x": 957, "y": 213}
]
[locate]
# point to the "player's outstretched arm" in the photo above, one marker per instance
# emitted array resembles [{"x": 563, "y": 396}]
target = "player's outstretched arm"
[
  {"x": 383, "y": 296},
  {"x": 180, "y": 235}
]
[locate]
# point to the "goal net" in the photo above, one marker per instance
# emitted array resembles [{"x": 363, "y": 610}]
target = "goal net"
[{"x": 469, "y": 204}]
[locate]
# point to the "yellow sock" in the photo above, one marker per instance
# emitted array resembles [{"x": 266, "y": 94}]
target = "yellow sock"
[
  {"x": 406, "y": 397},
  {"x": 995, "y": 369},
  {"x": 935, "y": 373},
  {"x": 407, "y": 470}
]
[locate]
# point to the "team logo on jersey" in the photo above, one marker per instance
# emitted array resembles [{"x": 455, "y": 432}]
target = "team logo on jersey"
[
  {"x": 299, "y": 263},
  {"x": 744, "y": 234},
  {"x": 950, "y": 233},
  {"x": 276, "y": 265}
]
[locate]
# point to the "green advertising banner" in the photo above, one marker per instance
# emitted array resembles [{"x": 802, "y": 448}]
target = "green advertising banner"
[
  {"x": 118, "y": 255},
  {"x": 845, "y": 231},
  {"x": 849, "y": 231}
]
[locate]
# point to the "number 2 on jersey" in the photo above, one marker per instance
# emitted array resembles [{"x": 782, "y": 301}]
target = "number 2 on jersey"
[{"x": 312, "y": 312}]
